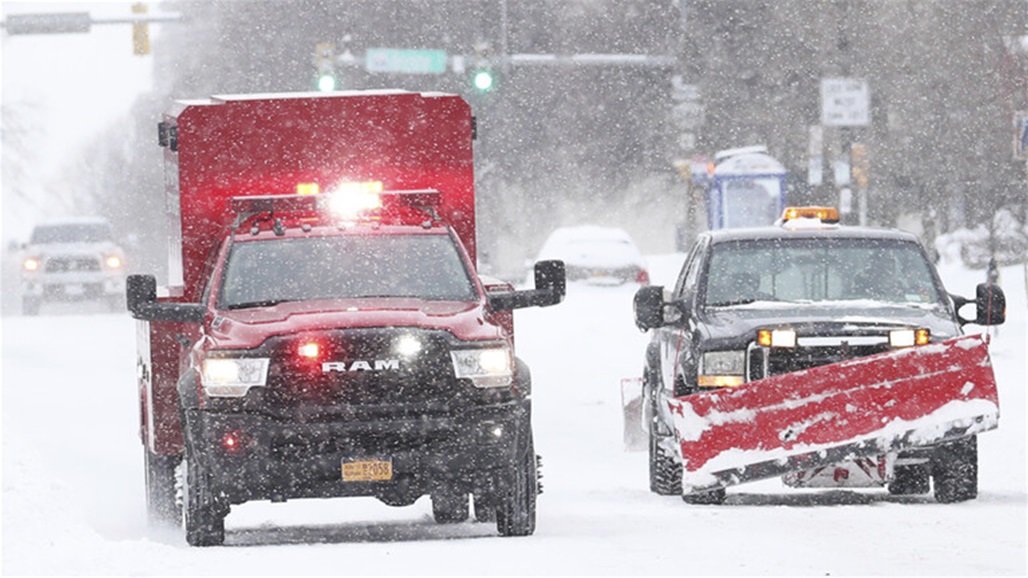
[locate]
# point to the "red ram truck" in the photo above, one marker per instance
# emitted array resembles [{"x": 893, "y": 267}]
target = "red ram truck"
[{"x": 324, "y": 331}]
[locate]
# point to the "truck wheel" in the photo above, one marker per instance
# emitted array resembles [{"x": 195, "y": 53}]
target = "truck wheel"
[
  {"x": 515, "y": 510},
  {"x": 485, "y": 507},
  {"x": 955, "y": 470},
  {"x": 30, "y": 305},
  {"x": 162, "y": 505},
  {"x": 116, "y": 303},
  {"x": 202, "y": 517},
  {"x": 909, "y": 480},
  {"x": 665, "y": 473},
  {"x": 712, "y": 497},
  {"x": 449, "y": 506}
]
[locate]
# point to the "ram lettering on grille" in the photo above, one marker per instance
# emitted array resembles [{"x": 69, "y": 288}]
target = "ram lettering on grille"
[{"x": 361, "y": 365}]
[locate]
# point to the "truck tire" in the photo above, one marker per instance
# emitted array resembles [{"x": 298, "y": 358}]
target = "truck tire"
[
  {"x": 515, "y": 509},
  {"x": 485, "y": 507},
  {"x": 665, "y": 473},
  {"x": 910, "y": 480},
  {"x": 449, "y": 506},
  {"x": 955, "y": 470},
  {"x": 30, "y": 306},
  {"x": 713, "y": 497},
  {"x": 162, "y": 504},
  {"x": 202, "y": 516}
]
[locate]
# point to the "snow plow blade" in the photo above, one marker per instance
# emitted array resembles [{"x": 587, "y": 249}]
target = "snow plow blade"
[
  {"x": 635, "y": 437},
  {"x": 821, "y": 416}
]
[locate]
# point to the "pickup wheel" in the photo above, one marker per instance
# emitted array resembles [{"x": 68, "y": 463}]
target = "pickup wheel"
[
  {"x": 515, "y": 509},
  {"x": 955, "y": 470},
  {"x": 162, "y": 505},
  {"x": 665, "y": 473},
  {"x": 202, "y": 516},
  {"x": 712, "y": 497},
  {"x": 449, "y": 506},
  {"x": 910, "y": 480},
  {"x": 30, "y": 306},
  {"x": 485, "y": 507}
]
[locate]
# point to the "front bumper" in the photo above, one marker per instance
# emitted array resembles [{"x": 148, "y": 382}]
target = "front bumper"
[
  {"x": 73, "y": 286},
  {"x": 279, "y": 459}
]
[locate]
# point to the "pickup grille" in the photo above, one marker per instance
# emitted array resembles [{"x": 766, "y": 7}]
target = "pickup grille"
[
  {"x": 782, "y": 360},
  {"x": 368, "y": 376},
  {"x": 71, "y": 265}
]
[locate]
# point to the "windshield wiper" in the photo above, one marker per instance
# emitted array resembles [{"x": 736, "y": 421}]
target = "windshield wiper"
[
  {"x": 746, "y": 301},
  {"x": 264, "y": 303}
]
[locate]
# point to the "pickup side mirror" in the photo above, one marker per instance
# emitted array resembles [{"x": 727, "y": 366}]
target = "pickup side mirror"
[
  {"x": 990, "y": 305},
  {"x": 550, "y": 288},
  {"x": 141, "y": 299},
  {"x": 648, "y": 305}
]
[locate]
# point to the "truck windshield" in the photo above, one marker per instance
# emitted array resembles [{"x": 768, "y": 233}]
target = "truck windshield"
[
  {"x": 817, "y": 270},
  {"x": 71, "y": 233},
  {"x": 263, "y": 273}
]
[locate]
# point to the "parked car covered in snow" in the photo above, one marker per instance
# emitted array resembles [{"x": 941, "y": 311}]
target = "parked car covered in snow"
[{"x": 596, "y": 255}]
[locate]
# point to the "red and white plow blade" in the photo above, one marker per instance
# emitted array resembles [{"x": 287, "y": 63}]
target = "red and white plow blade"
[{"x": 857, "y": 408}]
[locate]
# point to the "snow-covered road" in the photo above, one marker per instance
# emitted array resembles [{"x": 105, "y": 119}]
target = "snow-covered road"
[{"x": 73, "y": 485}]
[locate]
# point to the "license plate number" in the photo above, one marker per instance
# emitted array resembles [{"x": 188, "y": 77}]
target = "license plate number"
[
  {"x": 74, "y": 289},
  {"x": 370, "y": 470}
]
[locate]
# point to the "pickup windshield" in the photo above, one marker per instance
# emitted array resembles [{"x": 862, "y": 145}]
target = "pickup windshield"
[
  {"x": 264, "y": 273},
  {"x": 71, "y": 233},
  {"x": 817, "y": 270}
]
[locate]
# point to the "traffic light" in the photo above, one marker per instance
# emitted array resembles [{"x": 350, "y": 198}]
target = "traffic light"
[
  {"x": 483, "y": 80},
  {"x": 860, "y": 165},
  {"x": 140, "y": 32},
  {"x": 482, "y": 76},
  {"x": 324, "y": 62}
]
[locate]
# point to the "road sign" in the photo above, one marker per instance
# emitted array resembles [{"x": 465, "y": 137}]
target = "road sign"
[
  {"x": 1021, "y": 135},
  {"x": 52, "y": 23},
  {"x": 845, "y": 102},
  {"x": 405, "y": 61}
]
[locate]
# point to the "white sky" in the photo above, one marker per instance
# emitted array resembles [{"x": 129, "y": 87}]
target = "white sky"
[{"x": 78, "y": 83}]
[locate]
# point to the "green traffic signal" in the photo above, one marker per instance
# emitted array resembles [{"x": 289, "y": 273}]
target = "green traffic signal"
[
  {"x": 326, "y": 83},
  {"x": 483, "y": 81}
]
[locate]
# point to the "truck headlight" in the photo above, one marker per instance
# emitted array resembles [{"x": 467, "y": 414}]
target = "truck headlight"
[
  {"x": 113, "y": 262},
  {"x": 486, "y": 367},
  {"x": 722, "y": 369},
  {"x": 30, "y": 264},
  {"x": 233, "y": 377}
]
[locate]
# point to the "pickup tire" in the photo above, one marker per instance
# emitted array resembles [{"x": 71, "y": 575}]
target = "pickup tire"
[
  {"x": 202, "y": 517},
  {"x": 30, "y": 306},
  {"x": 910, "y": 480},
  {"x": 712, "y": 497},
  {"x": 449, "y": 506},
  {"x": 665, "y": 473},
  {"x": 485, "y": 507},
  {"x": 515, "y": 509},
  {"x": 162, "y": 505},
  {"x": 955, "y": 470}
]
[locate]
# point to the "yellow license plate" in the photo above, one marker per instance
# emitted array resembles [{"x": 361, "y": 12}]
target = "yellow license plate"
[{"x": 373, "y": 470}]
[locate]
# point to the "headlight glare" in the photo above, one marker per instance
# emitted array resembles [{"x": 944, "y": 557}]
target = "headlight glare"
[
  {"x": 233, "y": 377},
  {"x": 487, "y": 367}
]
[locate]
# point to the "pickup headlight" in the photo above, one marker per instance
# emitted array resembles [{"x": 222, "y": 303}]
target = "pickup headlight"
[
  {"x": 486, "y": 367},
  {"x": 722, "y": 369},
  {"x": 233, "y": 377},
  {"x": 113, "y": 262}
]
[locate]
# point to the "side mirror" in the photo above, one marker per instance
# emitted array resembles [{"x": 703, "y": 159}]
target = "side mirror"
[
  {"x": 550, "y": 288},
  {"x": 648, "y": 305},
  {"x": 551, "y": 276},
  {"x": 141, "y": 300},
  {"x": 990, "y": 304}
]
